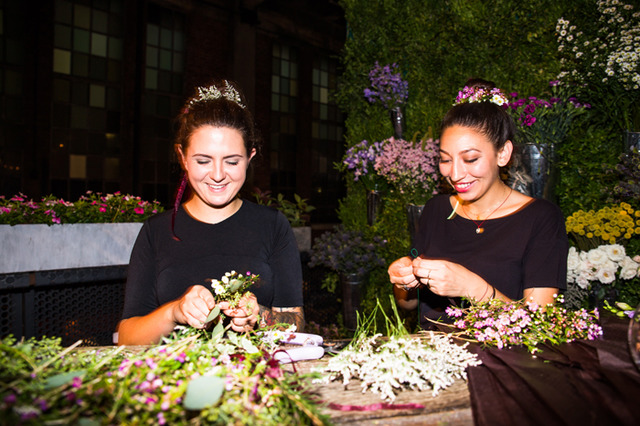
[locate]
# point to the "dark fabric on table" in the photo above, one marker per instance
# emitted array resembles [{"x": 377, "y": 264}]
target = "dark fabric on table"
[{"x": 580, "y": 383}]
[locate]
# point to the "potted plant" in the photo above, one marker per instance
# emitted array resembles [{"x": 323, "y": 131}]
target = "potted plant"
[
  {"x": 297, "y": 213},
  {"x": 350, "y": 256},
  {"x": 51, "y": 234}
]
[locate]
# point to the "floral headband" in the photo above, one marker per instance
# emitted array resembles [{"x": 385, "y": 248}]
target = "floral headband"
[
  {"x": 212, "y": 92},
  {"x": 471, "y": 94}
]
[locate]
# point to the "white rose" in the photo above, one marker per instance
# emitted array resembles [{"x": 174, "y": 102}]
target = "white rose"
[
  {"x": 582, "y": 282},
  {"x": 597, "y": 256},
  {"x": 606, "y": 274},
  {"x": 573, "y": 259},
  {"x": 628, "y": 268},
  {"x": 615, "y": 252}
]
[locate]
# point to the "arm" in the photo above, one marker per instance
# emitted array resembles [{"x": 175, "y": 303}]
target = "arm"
[
  {"x": 192, "y": 309},
  {"x": 272, "y": 316}
]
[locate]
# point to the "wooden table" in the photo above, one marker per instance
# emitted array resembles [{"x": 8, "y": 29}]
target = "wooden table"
[{"x": 450, "y": 407}]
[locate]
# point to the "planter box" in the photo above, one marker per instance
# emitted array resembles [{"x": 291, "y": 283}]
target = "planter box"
[{"x": 28, "y": 248}]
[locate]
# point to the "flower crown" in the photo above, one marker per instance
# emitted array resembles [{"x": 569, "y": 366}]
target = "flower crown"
[
  {"x": 212, "y": 93},
  {"x": 471, "y": 94}
]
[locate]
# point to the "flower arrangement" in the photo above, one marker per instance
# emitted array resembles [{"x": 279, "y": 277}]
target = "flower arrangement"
[
  {"x": 90, "y": 208},
  {"x": 617, "y": 224},
  {"x": 627, "y": 171},
  {"x": 360, "y": 160},
  {"x": 545, "y": 121},
  {"x": 605, "y": 61},
  {"x": 411, "y": 168},
  {"x": 347, "y": 251},
  {"x": 189, "y": 378},
  {"x": 387, "y": 86},
  {"x": 389, "y": 364},
  {"x": 230, "y": 288},
  {"x": 471, "y": 94},
  {"x": 505, "y": 324}
]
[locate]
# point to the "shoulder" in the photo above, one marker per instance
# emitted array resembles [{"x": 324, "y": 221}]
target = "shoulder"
[
  {"x": 541, "y": 207},
  {"x": 253, "y": 210}
]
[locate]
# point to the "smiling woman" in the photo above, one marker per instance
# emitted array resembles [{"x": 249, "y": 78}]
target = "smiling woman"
[
  {"x": 487, "y": 240},
  {"x": 212, "y": 232}
]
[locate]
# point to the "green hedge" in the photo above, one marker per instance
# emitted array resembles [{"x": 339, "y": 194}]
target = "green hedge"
[{"x": 438, "y": 45}]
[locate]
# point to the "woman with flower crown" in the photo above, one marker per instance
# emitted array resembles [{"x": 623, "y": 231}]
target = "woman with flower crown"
[
  {"x": 211, "y": 233},
  {"x": 486, "y": 240}
]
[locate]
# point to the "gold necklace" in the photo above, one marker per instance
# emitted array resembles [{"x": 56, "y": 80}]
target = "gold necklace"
[{"x": 479, "y": 228}]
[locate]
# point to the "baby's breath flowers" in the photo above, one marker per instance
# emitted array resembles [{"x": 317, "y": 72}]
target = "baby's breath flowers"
[{"x": 505, "y": 324}]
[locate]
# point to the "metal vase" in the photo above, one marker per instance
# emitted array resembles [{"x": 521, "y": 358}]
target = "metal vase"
[
  {"x": 351, "y": 290},
  {"x": 632, "y": 140},
  {"x": 535, "y": 173}
]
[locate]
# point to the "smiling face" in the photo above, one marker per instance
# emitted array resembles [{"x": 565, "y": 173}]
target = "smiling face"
[
  {"x": 470, "y": 162},
  {"x": 216, "y": 163}
]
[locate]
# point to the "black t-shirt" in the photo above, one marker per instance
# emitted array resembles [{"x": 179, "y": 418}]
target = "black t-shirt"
[
  {"x": 255, "y": 239},
  {"x": 525, "y": 249}
]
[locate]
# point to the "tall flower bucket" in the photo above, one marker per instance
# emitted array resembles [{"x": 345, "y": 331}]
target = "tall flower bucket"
[
  {"x": 397, "y": 121},
  {"x": 413, "y": 219},
  {"x": 351, "y": 290},
  {"x": 536, "y": 174},
  {"x": 374, "y": 201}
]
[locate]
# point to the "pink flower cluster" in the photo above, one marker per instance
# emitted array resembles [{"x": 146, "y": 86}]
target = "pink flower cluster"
[{"x": 409, "y": 167}]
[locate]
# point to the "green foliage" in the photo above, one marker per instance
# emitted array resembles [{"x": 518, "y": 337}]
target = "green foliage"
[{"x": 296, "y": 211}]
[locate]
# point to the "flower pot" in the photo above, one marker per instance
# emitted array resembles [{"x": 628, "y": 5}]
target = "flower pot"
[
  {"x": 397, "y": 121},
  {"x": 28, "y": 248},
  {"x": 374, "y": 202},
  {"x": 536, "y": 174},
  {"x": 303, "y": 237},
  {"x": 351, "y": 291}
]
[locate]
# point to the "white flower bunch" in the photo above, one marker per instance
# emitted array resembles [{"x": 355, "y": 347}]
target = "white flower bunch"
[
  {"x": 611, "y": 54},
  {"x": 603, "y": 264},
  {"x": 387, "y": 366}
]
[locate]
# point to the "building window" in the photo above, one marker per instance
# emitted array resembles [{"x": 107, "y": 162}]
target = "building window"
[
  {"x": 162, "y": 99},
  {"x": 284, "y": 104},
  {"x": 86, "y": 149},
  {"x": 326, "y": 139},
  {"x": 13, "y": 124}
]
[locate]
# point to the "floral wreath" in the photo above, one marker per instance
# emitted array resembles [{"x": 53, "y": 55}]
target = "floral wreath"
[{"x": 471, "y": 94}]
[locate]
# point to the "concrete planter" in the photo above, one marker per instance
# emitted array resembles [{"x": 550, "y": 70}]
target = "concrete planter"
[
  {"x": 28, "y": 248},
  {"x": 303, "y": 237}
]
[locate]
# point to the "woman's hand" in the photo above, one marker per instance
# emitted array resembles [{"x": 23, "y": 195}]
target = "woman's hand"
[
  {"x": 193, "y": 306},
  {"x": 450, "y": 279},
  {"x": 245, "y": 315},
  {"x": 401, "y": 274}
]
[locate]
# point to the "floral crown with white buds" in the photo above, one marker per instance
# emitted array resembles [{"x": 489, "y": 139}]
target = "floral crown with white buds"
[
  {"x": 212, "y": 93},
  {"x": 470, "y": 94}
]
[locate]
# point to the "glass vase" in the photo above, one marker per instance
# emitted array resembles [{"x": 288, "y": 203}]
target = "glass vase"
[
  {"x": 632, "y": 140},
  {"x": 535, "y": 172},
  {"x": 397, "y": 121},
  {"x": 374, "y": 203},
  {"x": 413, "y": 220}
]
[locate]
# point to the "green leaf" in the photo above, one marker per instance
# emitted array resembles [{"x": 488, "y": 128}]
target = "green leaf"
[
  {"x": 234, "y": 285},
  {"x": 85, "y": 421},
  {"x": 213, "y": 314},
  {"x": 62, "y": 378},
  {"x": 202, "y": 392},
  {"x": 218, "y": 331},
  {"x": 247, "y": 345}
]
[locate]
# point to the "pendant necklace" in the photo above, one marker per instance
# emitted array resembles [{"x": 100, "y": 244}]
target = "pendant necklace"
[{"x": 479, "y": 228}]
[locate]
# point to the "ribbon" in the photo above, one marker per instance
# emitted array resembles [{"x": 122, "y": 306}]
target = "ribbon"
[{"x": 376, "y": 406}]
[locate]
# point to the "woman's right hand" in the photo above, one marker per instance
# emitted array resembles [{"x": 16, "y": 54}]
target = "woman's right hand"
[
  {"x": 401, "y": 274},
  {"x": 194, "y": 306}
]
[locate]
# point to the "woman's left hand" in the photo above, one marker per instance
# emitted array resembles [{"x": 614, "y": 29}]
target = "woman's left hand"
[
  {"x": 245, "y": 315},
  {"x": 448, "y": 279}
]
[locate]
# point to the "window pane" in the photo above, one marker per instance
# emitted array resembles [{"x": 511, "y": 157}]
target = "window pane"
[
  {"x": 80, "y": 65},
  {"x": 82, "y": 16},
  {"x": 165, "y": 59},
  {"x": 115, "y": 48},
  {"x": 100, "y": 21},
  {"x": 62, "y": 37},
  {"x": 99, "y": 44},
  {"x": 165, "y": 38},
  {"x": 61, "y": 61},
  {"x": 81, "y": 40},
  {"x": 77, "y": 166},
  {"x": 153, "y": 35},
  {"x": 97, "y": 96}
]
